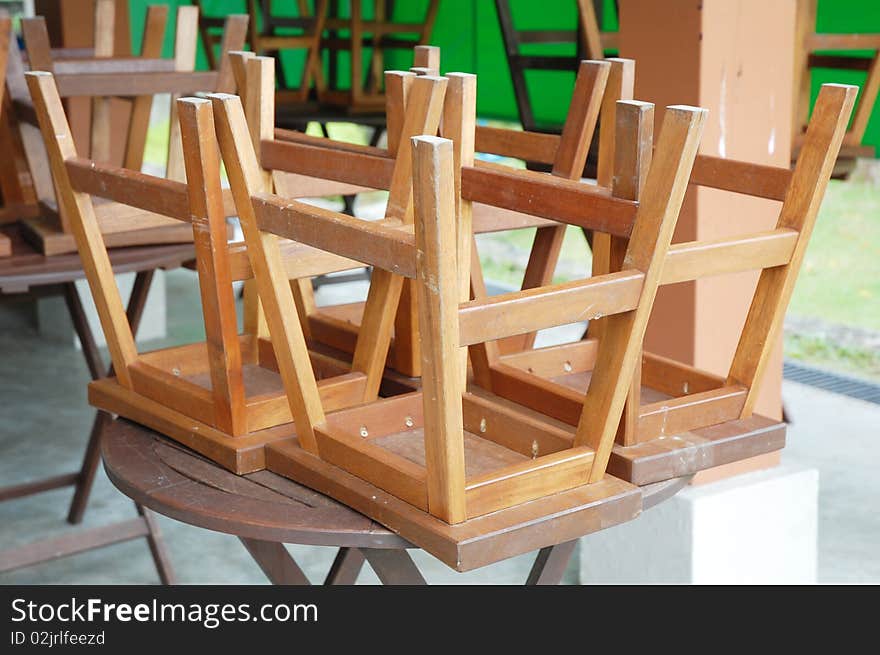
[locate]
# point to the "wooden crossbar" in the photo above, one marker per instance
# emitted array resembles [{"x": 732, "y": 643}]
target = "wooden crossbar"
[
  {"x": 518, "y": 312},
  {"x": 544, "y": 196},
  {"x": 380, "y": 244},
  {"x": 135, "y": 189},
  {"x": 138, "y": 84}
]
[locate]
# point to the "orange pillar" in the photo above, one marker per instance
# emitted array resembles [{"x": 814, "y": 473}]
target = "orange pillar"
[{"x": 735, "y": 58}]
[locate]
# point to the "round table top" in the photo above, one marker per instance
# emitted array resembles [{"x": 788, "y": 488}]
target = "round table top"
[
  {"x": 26, "y": 267},
  {"x": 176, "y": 482}
]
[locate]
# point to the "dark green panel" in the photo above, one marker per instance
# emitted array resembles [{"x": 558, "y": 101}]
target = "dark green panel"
[
  {"x": 853, "y": 16},
  {"x": 468, "y": 33}
]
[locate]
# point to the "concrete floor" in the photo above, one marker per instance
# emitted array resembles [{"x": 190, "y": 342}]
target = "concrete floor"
[{"x": 44, "y": 422}]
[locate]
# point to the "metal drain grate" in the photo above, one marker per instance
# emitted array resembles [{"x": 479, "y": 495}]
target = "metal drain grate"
[{"x": 833, "y": 382}]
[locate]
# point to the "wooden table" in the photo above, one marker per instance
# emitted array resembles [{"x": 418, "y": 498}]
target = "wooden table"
[
  {"x": 266, "y": 511},
  {"x": 27, "y": 271}
]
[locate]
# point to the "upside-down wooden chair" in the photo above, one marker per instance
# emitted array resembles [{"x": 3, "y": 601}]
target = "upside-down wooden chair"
[
  {"x": 316, "y": 179},
  {"x": 378, "y": 34},
  {"x": 256, "y": 80},
  {"x": 666, "y": 429},
  {"x": 222, "y": 397},
  {"x": 337, "y": 326},
  {"x": 587, "y": 41},
  {"x": 270, "y": 34},
  {"x": 103, "y": 78},
  {"x": 811, "y": 50},
  {"x": 442, "y": 465}
]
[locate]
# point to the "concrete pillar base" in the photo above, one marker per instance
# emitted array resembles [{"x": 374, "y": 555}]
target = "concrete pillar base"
[{"x": 755, "y": 528}]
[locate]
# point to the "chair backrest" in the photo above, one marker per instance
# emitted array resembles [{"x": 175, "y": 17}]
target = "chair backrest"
[{"x": 433, "y": 257}]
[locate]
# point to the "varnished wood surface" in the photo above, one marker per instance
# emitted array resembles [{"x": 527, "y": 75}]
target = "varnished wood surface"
[
  {"x": 27, "y": 267},
  {"x": 178, "y": 483}
]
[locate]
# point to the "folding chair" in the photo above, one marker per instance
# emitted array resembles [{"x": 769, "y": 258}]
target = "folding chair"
[
  {"x": 103, "y": 78},
  {"x": 443, "y": 466},
  {"x": 671, "y": 406}
]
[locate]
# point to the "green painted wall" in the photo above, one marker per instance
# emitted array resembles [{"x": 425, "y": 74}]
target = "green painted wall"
[{"x": 468, "y": 32}]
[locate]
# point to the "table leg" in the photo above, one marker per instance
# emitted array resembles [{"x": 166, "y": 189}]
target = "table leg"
[
  {"x": 393, "y": 566},
  {"x": 274, "y": 560},
  {"x": 346, "y": 567},
  {"x": 92, "y": 355},
  {"x": 550, "y": 565},
  {"x": 157, "y": 546}
]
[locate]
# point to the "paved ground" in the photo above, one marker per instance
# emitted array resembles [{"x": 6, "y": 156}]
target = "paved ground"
[{"x": 44, "y": 423}]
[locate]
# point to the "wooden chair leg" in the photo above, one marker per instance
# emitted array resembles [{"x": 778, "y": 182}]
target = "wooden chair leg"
[
  {"x": 550, "y": 565},
  {"x": 393, "y": 566},
  {"x": 157, "y": 546},
  {"x": 346, "y": 567},
  {"x": 274, "y": 560}
]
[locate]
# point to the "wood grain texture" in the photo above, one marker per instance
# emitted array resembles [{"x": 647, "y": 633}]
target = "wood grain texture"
[
  {"x": 78, "y": 207},
  {"x": 658, "y": 211},
  {"x": 274, "y": 288},
  {"x": 799, "y": 210},
  {"x": 438, "y": 296},
  {"x": 202, "y": 162}
]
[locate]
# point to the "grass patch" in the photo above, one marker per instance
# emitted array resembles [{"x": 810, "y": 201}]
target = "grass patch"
[
  {"x": 862, "y": 362},
  {"x": 840, "y": 278}
]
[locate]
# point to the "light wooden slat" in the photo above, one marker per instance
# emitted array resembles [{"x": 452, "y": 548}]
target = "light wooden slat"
[
  {"x": 623, "y": 334},
  {"x": 513, "y": 313},
  {"x": 548, "y": 196},
  {"x": 108, "y": 84},
  {"x": 529, "y": 146},
  {"x": 438, "y": 296},
  {"x": 202, "y": 162},
  {"x": 699, "y": 259},
  {"x": 674, "y": 378},
  {"x": 371, "y": 242},
  {"x": 78, "y": 206},
  {"x": 392, "y": 473},
  {"x": 527, "y": 481},
  {"x": 299, "y": 260},
  {"x": 799, "y": 211},
  {"x": 843, "y": 42},
  {"x": 135, "y": 189},
  {"x": 274, "y": 287},
  {"x": 696, "y": 410},
  {"x": 371, "y": 171},
  {"x": 741, "y": 177},
  {"x": 113, "y": 66}
]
